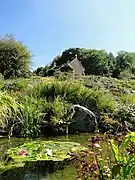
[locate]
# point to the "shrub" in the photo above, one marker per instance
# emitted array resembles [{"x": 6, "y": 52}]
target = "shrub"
[
  {"x": 60, "y": 116},
  {"x": 126, "y": 116},
  {"x": 105, "y": 102},
  {"x": 126, "y": 74}
]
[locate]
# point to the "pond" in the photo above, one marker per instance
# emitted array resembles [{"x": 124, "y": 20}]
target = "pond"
[{"x": 68, "y": 173}]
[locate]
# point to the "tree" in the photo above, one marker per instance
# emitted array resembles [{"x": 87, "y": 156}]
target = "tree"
[
  {"x": 39, "y": 71},
  {"x": 44, "y": 71},
  {"x": 124, "y": 61},
  {"x": 111, "y": 63},
  {"x": 15, "y": 58},
  {"x": 96, "y": 62}
]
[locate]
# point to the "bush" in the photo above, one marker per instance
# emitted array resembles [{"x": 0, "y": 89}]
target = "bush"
[
  {"x": 127, "y": 113},
  {"x": 126, "y": 117},
  {"x": 59, "y": 117},
  {"x": 126, "y": 74},
  {"x": 105, "y": 102}
]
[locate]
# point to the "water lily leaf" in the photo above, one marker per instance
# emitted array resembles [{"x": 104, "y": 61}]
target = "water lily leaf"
[
  {"x": 35, "y": 151},
  {"x": 42, "y": 151}
]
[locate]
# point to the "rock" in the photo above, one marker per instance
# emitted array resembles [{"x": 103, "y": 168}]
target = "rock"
[{"x": 82, "y": 122}]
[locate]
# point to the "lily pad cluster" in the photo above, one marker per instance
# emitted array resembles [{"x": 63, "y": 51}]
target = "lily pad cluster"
[
  {"x": 36, "y": 151},
  {"x": 43, "y": 150}
]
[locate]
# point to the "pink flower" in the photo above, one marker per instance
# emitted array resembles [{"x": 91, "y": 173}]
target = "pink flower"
[{"x": 22, "y": 152}]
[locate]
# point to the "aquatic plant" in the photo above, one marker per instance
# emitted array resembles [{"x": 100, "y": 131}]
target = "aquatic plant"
[
  {"x": 36, "y": 151},
  {"x": 118, "y": 162},
  {"x": 125, "y": 156}
]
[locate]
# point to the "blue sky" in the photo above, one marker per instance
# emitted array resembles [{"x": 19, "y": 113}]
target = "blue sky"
[{"x": 48, "y": 27}]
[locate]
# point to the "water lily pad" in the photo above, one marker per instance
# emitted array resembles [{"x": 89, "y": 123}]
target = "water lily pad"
[
  {"x": 40, "y": 151},
  {"x": 45, "y": 150}
]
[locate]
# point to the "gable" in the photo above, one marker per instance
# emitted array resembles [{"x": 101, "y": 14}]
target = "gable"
[{"x": 77, "y": 66}]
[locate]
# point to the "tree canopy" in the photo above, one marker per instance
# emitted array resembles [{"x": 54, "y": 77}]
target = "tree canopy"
[
  {"x": 97, "y": 62},
  {"x": 125, "y": 61},
  {"x": 14, "y": 58}
]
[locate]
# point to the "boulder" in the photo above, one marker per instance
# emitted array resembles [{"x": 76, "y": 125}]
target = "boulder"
[{"x": 82, "y": 122}]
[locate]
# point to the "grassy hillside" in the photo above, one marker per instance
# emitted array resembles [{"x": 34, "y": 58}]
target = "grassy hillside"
[{"x": 38, "y": 106}]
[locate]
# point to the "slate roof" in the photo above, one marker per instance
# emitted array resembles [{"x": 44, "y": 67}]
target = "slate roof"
[{"x": 77, "y": 66}]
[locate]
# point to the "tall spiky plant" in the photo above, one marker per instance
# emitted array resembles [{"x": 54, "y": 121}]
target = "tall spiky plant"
[
  {"x": 33, "y": 116},
  {"x": 8, "y": 109}
]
